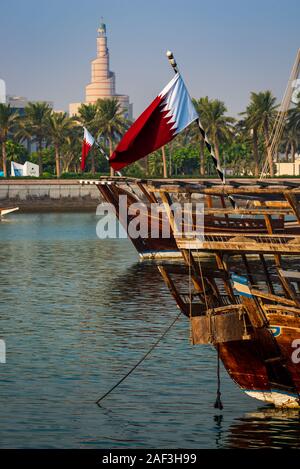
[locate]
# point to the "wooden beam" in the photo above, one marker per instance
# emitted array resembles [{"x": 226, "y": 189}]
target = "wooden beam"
[
  {"x": 173, "y": 290},
  {"x": 237, "y": 247},
  {"x": 149, "y": 195},
  {"x": 271, "y": 297},
  {"x": 267, "y": 275},
  {"x": 248, "y": 211},
  {"x": 292, "y": 200}
]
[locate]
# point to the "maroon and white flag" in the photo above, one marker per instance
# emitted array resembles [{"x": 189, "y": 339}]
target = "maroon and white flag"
[
  {"x": 169, "y": 113},
  {"x": 88, "y": 142}
]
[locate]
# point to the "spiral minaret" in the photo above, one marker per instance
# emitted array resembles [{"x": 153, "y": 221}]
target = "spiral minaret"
[
  {"x": 103, "y": 80},
  {"x": 102, "y": 83}
]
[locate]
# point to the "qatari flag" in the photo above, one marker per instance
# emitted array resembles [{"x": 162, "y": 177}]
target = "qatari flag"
[
  {"x": 169, "y": 113},
  {"x": 88, "y": 142}
]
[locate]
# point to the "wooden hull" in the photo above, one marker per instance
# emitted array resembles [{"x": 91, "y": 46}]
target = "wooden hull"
[
  {"x": 259, "y": 344},
  {"x": 148, "y": 247},
  {"x": 264, "y": 364},
  {"x": 249, "y": 309},
  {"x": 160, "y": 247}
]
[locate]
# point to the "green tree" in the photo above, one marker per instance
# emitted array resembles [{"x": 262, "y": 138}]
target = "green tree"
[
  {"x": 8, "y": 120},
  {"x": 110, "y": 121},
  {"x": 261, "y": 114},
  {"x": 87, "y": 117},
  {"x": 155, "y": 164},
  {"x": 59, "y": 128},
  {"x": 186, "y": 160},
  {"x": 33, "y": 127},
  {"x": 201, "y": 106},
  {"x": 291, "y": 135},
  {"x": 249, "y": 133},
  {"x": 16, "y": 151},
  {"x": 71, "y": 149},
  {"x": 290, "y": 141},
  {"x": 48, "y": 156},
  {"x": 218, "y": 126}
]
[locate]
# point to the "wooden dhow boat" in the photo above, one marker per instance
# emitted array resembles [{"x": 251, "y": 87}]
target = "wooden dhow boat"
[
  {"x": 218, "y": 214},
  {"x": 246, "y": 300}
]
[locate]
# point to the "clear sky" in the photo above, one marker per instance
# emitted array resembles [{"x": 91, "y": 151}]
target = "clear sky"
[{"x": 225, "y": 48}]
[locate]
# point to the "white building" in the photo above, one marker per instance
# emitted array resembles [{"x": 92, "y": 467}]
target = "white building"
[
  {"x": 2, "y": 92},
  {"x": 26, "y": 169},
  {"x": 284, "y": 168}
]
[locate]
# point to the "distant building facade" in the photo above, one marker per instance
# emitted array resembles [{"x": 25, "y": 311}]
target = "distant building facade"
[
  {"x": 2, "y": 91},
  {"x": 284, "y": 168},
  {"x": 18, "y": 103},
  {"x": 103, "y": 80}
]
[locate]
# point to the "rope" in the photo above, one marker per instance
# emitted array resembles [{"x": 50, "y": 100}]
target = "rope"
[
  {"x": 218, "y": 403},
  {"x": 279, "y": 123},
  {"x": 140, "y": 361},
  {"x": 190, "y": 298},
  {"x": 202, "y": 281},
  {"x": 105, "y": 155}
]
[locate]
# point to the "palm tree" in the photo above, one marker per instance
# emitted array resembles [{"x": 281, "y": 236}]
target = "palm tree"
[
  {"x": 87, "y": 117},
  {"x": 8, "y": 119},
  {"x": 217, "y": 125},
  {"x": 201, "y": 106},
  {"x": 59, "y": 127},
  {"x": 34, "y": 126},
  {"x": 110, "y": 122},
  {"x": 249, "y": 131},
  {"x": 293, "y": 120},
  {"x": 71, "y": 149},
  {"x": 290, "y": 140},
  {"x": 262, "y": 112},
  {"x": 291, "y": 134}
]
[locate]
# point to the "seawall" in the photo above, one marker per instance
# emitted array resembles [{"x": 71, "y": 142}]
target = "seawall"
[
  {"x": 48, "y": 195},
  {"x": 35, "y": 195}
]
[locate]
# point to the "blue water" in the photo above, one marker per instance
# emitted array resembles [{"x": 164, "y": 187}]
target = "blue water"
[{"x": 76, "y": 314}]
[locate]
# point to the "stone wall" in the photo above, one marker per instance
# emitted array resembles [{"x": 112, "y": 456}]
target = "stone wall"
[{"x": 49, "y": 195}]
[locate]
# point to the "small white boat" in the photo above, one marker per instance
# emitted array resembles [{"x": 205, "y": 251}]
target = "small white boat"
[{"x": 5, "y": 211}]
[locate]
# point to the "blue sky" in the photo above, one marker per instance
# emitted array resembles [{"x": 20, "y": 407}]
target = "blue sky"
[{"x": 225, "y": 48}]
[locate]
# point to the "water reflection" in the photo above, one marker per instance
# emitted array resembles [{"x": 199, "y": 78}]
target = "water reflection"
[
  {"x": 266, "y": 428},
  {"x": 77, "y": 313}
]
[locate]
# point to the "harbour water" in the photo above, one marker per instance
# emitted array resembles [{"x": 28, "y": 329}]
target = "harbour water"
[{"x": 76, "y": 314}]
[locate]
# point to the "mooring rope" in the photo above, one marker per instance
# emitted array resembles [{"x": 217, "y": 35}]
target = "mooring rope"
[
  {"x": 140, "y": 361},
  {"x": 218, "y": 403}
]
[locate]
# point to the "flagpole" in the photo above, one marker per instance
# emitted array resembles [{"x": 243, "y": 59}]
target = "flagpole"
[
  {"x": 216, "y": 162},
  {"x": 92, "y": 141},
  {"x": 163, "y": 152},
  {"x": 105, "y": 155}
]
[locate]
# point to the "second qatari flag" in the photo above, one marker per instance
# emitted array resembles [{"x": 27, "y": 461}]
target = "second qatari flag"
[{"x": 169, "y": 113}]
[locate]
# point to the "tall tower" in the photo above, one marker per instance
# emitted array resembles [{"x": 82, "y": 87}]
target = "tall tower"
[{"x": 103, "y": 80}]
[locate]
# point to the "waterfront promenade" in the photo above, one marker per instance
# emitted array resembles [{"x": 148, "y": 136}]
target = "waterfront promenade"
[
  {"x": 49, "y": 195},
  {"x": 34, "y": 195}
]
